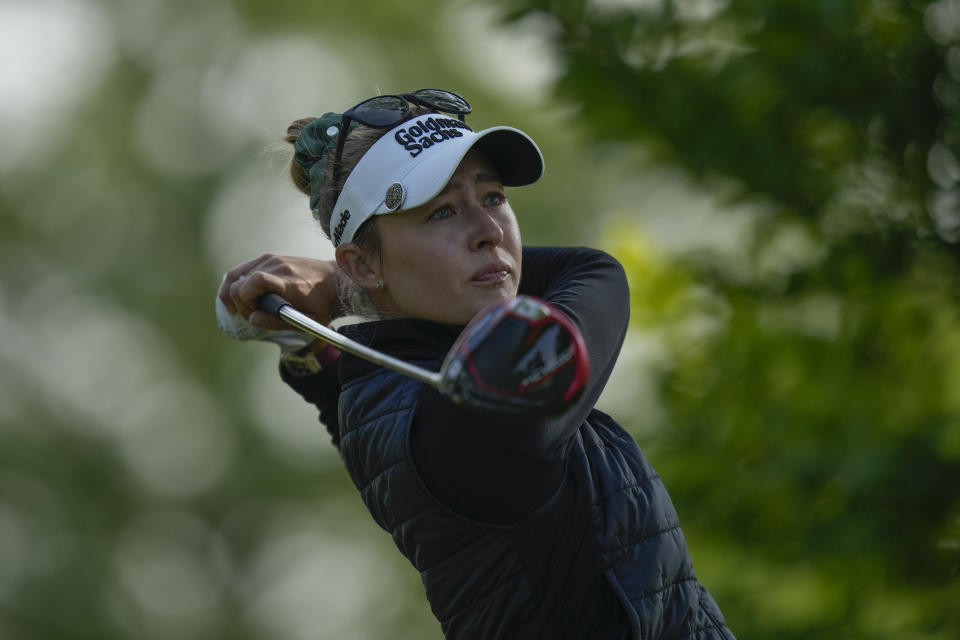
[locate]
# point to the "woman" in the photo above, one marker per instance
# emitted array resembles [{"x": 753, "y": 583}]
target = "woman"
[{"x": 555, "y": 528}]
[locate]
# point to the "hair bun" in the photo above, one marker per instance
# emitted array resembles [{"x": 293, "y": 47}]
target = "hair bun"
[
  {"x": 293, "y": 131},
  {"x": 312, "y": 139},
  {"x": 316, "y": 139}
]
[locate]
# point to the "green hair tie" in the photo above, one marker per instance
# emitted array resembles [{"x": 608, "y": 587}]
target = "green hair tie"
[{"x": 311, "y": 147}]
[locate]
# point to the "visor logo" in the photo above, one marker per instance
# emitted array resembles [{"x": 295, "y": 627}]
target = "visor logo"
[
  {"x": 341, "y": 225},
  {"x": 394, "y": 197},
  {"x": 423, "y": 134}
]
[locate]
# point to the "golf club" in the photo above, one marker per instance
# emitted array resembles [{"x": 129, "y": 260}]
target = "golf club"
[{"x": 522, "y": 357}]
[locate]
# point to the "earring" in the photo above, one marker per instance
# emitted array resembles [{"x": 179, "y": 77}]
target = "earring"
[{"x": 378, "y": 285}]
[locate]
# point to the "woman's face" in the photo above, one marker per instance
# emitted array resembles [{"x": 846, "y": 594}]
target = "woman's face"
[{"x": 451, "y": 257}]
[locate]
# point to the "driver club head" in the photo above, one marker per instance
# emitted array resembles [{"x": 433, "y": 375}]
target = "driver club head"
[{"x": 522, "y": 357}]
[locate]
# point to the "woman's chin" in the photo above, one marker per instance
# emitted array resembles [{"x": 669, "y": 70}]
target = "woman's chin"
[
  {"x": 459, "y": 310},
  {"x": 491, "y": 298}
]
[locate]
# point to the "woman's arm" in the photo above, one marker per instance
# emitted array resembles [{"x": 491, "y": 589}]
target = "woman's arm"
[
  {"x": 590, "y": 286},
  {"x": 312, "y": 286},
  {"x": 316, "y": 381}
]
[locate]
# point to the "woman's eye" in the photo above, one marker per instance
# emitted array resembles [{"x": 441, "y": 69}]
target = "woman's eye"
[
  {"x": 494, "y": 199},
  {"x": 441, "y": 213}
]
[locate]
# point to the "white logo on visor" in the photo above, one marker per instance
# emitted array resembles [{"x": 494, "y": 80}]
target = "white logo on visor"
[{"x": 341, "y": 226}]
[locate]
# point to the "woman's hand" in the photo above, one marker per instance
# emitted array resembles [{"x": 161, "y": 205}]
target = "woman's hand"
[{"x": 312, "y": 286}]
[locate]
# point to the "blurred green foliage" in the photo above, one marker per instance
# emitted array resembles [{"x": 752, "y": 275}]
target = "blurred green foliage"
[
  {"x": 813, "y": 436},
  {"x": 156, "y": 480}
]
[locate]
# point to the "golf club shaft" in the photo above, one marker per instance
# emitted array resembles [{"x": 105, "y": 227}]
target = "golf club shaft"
[{"x": 277, "y": 306}]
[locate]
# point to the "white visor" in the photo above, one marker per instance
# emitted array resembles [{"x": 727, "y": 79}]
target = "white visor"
[{"x": 414, "y": 161}]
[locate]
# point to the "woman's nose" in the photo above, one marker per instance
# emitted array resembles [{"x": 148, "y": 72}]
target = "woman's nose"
[{"x": 487, "y": 228}]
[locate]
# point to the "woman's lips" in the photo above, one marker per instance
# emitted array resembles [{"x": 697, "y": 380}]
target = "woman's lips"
[{"x": 492, "y": 274}]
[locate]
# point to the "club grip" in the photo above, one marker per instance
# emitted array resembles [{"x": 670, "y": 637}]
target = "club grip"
[{"x": 271, "y": 303}]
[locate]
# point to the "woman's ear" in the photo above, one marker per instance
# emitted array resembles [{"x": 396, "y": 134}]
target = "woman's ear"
[{"x": 358, "y": 266}]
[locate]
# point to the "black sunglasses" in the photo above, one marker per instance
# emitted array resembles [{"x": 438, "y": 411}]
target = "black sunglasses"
[{"x": 385, "y": 111}]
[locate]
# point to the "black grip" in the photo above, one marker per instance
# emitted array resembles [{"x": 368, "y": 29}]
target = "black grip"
[{"x": 271, "y": 303}]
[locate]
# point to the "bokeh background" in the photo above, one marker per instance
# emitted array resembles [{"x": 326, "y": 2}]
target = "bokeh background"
[{"x": 779, "y": 177}]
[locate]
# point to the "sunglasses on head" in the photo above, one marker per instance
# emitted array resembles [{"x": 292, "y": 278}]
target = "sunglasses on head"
[{"x": 385, "y": 111}]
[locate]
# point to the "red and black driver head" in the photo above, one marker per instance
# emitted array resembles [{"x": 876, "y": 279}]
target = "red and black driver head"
[{"x": 523, "y": 357}]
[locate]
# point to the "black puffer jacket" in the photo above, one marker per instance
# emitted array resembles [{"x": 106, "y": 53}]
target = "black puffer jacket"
[{"x": 559, "y": 529}]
